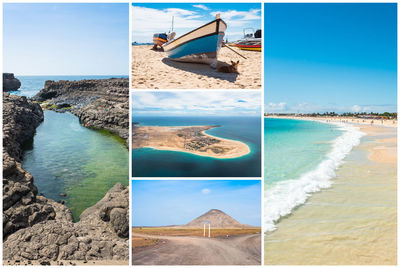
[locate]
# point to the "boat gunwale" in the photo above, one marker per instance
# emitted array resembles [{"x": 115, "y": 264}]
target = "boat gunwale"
[{"x": 215, "y": 32}]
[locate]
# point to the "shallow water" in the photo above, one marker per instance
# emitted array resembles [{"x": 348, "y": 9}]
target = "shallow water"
[
  {"x": 148, "y": 162},
  {"x": 66, "y": 158},
  {"x": 352, "y": 223}
]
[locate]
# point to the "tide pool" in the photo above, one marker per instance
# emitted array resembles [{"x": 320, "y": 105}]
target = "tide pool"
[
  {"x": 148, "y": 162},
  {"x": 66, "y": 158}
]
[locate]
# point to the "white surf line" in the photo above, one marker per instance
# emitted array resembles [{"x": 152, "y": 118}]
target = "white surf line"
[{"x": 284, "y": 196}]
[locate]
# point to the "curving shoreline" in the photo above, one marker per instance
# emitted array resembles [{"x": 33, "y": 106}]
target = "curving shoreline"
[
  {"x": 187, "y": 139},
  {"x": 354, "y": 221},
  {"x": 298, "y": 190}
]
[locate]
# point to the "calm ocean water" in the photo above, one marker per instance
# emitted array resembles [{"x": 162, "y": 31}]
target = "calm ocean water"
[
  {"x": 300, "y": 158},
  {"x": 30, "y": 85},
  {"x": 148, "y": 162},
  {"x": 66, "y": 158}
]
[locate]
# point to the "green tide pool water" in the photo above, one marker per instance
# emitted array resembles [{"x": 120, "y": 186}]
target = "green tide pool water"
[
  {"x": 69, "y": 162},
  {"x": 66, "y": 158}
]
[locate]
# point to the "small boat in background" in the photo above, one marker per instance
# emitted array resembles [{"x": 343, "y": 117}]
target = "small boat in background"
[
  {"x": 200, "y": 45},
  {"x": 160, "y": 39},
  {"x": 250, "y": 41}
]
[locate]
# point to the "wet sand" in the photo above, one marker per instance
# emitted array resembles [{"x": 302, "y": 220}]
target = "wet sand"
[
  {"x": 153, "y": 70},
  {"x": 352, "y": 223}
]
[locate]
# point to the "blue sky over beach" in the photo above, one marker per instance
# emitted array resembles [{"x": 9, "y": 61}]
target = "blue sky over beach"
[
  {"x": 197, "y": 103},
  {"x": 66, "y": 39},
  {"x": 153, "y": 18},
  {"x": 330, "y": 57},
  {"x": 160, "y": 203}
]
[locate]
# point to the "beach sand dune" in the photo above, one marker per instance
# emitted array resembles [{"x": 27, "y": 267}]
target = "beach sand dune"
[{"x": 153, "y": 70}]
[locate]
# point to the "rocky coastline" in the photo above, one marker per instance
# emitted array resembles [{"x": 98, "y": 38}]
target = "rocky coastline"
[
  {"x": 10, "y": 83},
  {"x": 38, "y": 229},
  {"x": 99, "y": 104}
]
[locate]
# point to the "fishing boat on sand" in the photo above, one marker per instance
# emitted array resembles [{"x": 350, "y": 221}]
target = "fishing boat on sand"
[
  {"x": 250, "y": 41},
  {"x": 200, "y": 45},
  {"x": 160, "y": 39}
]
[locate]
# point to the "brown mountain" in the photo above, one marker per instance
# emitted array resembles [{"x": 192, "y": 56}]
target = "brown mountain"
[{"x": 218, "y": 219}]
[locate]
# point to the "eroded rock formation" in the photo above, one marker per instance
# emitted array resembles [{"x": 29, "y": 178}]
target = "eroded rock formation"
[
  {"x": 102, "y": 103},
  {"x": 38, "y": 228},
  {"x": 10, "y": 83}
]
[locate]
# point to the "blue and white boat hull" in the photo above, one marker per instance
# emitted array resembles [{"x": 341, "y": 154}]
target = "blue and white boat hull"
[{"x": 200, "y": 45}]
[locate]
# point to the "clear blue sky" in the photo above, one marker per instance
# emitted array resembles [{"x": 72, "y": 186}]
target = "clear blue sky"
[
  {"x": 165, "y": 202},
  {"x": 197, "y": 103},
  {"x": 156, "y": 18},
  {"x": 66, "y": 39},
  {"x": 330, "y": 57}
]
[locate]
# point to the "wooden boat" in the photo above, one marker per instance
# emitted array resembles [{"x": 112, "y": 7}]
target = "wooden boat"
[
  {"x": 160, "y": 39},
  {"x": 200, "y": 45},
  {"x": 254, "y": 45},
  {"x": 250, "y": 41}
]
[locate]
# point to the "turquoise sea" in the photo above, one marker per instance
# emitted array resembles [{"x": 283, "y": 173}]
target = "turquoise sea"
[
  {"x": 148, "y": 162},
  {"x": 69, "y": 162},
  {"x": 300, "y": 158}
]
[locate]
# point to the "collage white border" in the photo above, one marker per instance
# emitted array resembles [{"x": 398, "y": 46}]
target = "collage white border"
[{"x": 262, "y": 2}]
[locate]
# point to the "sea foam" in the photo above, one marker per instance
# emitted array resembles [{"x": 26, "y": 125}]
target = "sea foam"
[{"x": 284, "y": 196}]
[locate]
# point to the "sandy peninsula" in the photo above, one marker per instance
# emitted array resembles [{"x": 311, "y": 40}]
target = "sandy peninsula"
[
  {"x": 188, "y": 139},
  {"x": 153, "y": 70}
]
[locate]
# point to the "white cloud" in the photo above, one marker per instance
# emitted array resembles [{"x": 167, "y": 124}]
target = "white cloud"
[
  {"x": 197, "y": 102},
  {"x": 205, "y": 191},
  {"x": 236, "y": 18},
  {"x": 355, "y": 108},
  {"x": 203, "y": 7},
  {"x": 316, "y": 108},
  {"x": 275, "y": 107},
  {"x": 147, "y": 21}
]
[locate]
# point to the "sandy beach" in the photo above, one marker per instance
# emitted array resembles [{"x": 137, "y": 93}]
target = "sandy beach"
[
  {"x": 188, "y": 139},
  {"x": 355, "y": 221},
  {"x": 153, "y": 70},
  {"x": 342, "y": 119}
]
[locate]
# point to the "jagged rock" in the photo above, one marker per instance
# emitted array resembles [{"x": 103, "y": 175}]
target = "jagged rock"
[
  {"x": 102, "y": 103},
  {"x": 38, "y": 228},
  {"x": 21, "y": 208},
  {"x": 20, "y": 119},
  {"x": 111, "y": 211},
  {"x": 10, "y": 83},
  {"x": 92, "y": 238}
]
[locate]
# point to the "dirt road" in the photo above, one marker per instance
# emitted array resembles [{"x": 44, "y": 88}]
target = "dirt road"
[{"x": 185, "y": 250}]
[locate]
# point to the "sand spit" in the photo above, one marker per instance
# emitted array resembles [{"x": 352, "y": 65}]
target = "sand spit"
[
  {"x": 188, "y": 139},
  {"x": 153, "y": 70}
]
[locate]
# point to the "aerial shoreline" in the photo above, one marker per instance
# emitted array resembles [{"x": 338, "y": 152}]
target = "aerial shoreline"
[{"x": 188, "y": 139}]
